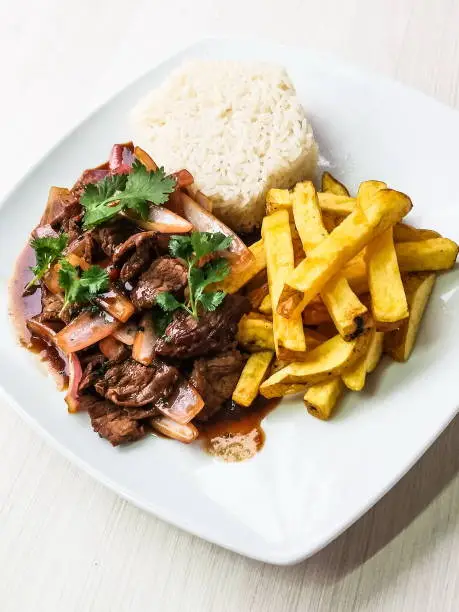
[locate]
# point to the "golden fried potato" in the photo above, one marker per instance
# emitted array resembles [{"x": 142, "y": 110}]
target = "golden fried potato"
[
  {"x": 400, "y": 342},
  {"x": 433, "y": 254},
  {"x": 251, "y": 378},
  {"x": 233, "y": 282},
  {"x": 282, "y": 390},
  {"x": 257, "y": 295},
  {"x": 255, "y": 333},
  {"x": 321, "y": 399},
  {"x": 278, "y": 199},
  {"x": 345, "y": 242},
  {"x": 354, "y": 377},
  {"x": 348, "y": 313},
  {"x": 329, "y": 359},
  {"x": 388, "y": 300},
  {"x": 277, "y": 238},
  {"x": 331, "y": 185},
  {"x": 341, "y": 206},
  {"x": 406, "y": 233},
  {"x": 266, "y": 307}
]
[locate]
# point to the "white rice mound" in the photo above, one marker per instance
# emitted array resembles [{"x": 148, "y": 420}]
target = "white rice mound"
[{"x": 238, "y": 127}]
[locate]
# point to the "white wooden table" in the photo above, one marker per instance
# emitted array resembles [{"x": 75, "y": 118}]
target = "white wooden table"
[{"x": 66, "y": 543}]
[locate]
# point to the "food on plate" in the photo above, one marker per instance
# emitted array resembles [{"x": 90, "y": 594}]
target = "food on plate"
[
  {"x": 160, "y": 312},
  {"x": 325, "y": 260},
  {"x": 238, "y": 127},
  {"x": 400, "y": 342},
  {"x": 320, "y": 399}
]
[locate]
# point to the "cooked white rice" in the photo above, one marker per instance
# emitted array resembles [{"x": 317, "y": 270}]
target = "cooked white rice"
[{"x": 237, "y": 127}]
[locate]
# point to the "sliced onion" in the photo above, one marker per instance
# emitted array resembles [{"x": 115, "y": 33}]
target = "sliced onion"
[
  {"x": 164, "y": 221},
  {"x": 144, "y": 342},
  {"x": 111, "y": 348},
  {"x": 85, "y": 330},
  {"x": 72, "y": 397},
  {"x": 183, "y": 433},
  {"x": 145, "y": 159},
  {"x": 199, "y": 197},
  {"x": 204, "y": 221},
  {"x": 116, "y": 304},
  {"x": 126, "y": 333},
  {"x": 121, "y": 158},
  {"x": 51, "y": 280},
  {"x": 183, "y": 405},
  {"x": 72, "y": 362}
]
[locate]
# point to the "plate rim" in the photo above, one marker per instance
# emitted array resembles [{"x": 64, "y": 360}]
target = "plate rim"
[{"x": 291, "y": 555}]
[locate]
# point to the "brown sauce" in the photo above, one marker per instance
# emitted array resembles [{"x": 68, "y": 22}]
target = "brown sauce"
[
  {"x": 235, "y": 433},
  {"x": 24, "y": 307}
]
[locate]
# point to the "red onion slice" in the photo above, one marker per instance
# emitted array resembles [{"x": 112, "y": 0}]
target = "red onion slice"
[
  {"x": 183, "y": 405},
  {"x": 183, "y": 433},
  {"x": 86, "y": 329}
]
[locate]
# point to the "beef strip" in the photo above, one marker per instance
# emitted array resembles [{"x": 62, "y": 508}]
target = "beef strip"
[
  {"x": 51, "y": 307},
  {"x": 113, "y": 233},
  {"x": 135, "y": 254},
  {"x": 112, "y": 422},
  {"x": 164, "y": 274},
  {"x": 92, "y": 371},
  {"x": 61, "y": 206},
  {"x": 215, "y": 379},
  {"x": 93, "y": 175},
  {"x": 130, "y": 383},
  {"x": 213, "y": 332}
]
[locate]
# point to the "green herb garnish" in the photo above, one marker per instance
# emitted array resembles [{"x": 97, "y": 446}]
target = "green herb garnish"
[
  {"x": 47, "y": 251},
  {"x": 137, "y": 190},
  {"x": 192, "y": 249},
  {"x": 81, "y": 287}
]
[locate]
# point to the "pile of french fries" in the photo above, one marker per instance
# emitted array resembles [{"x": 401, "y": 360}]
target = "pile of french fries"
[{"x": 336, "y": 281}]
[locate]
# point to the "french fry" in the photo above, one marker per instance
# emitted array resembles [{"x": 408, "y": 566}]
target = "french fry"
[
  {"x": 251, "y": 378},
  {"x": 356, "y": 273},
  {"x": 344, "y": 243},
  {"x": 406, "y": 233},
  {"x": 257, "y": 295},
  {"x": 315, "y": 314},
  {"x": 354, "y": 377},
  {"x": 336, "y": 204},
  {"x": 388, "y": 301},
  {"x": 277, "y": 237},
  {"x": 329, "y": 359},
  {"x": 278, "y": 199},
  {"x": 331, "y": 185},
  {"x": 282, "y": 390},
  {"x": 266, "y": 306},
  {"x": 255, "y": 333},
  {"x": 330, "y": 203},
  {"x": 348, "y": 313},
  {"x": 400, "y": 342},
  {"x": 433, "y": 254},
  {"x": 233, "y": 282},
  {"x": 321, "y": 399}
]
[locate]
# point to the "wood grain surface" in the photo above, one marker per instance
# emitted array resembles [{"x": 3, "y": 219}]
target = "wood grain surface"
[{"x": 66, "y": 543}]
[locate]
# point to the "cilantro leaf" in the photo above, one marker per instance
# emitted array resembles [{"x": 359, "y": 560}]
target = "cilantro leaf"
[
  {"x": 144, "y": 185},
  {"x": 192, "y": 249},
  {"x": 212, "y": 299},
  {"x": 48, "y": 250},
  {"x": 81, "y": 287},
  {"x": 104, "y": 200},
  {"x": 180, "y": 246},
  {"x": 161, "y": 320},
  {"x": 167, "y": 302},
  {"x": 204, "y": 243}
]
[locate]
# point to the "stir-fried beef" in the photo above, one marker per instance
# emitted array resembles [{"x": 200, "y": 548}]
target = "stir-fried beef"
[
  {"x": 112, "y": 422},
  {"x": 135, "y": 254},
  {"x": 215, "y": 379},
  {"x": 164, "y": 274},
  {"x": 132, "y": 384},
  {"x": 213, "y": 332},
  {"x": 111, "y": 234},
  {"x": 62, "y": 205},
  {"x": 51, "y": 307},
  {"x": 92, "y": 371},
  {"x": 93, "y": 175}
]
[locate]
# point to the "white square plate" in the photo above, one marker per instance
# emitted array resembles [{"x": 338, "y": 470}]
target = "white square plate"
[{"x": 312, "y": 479}]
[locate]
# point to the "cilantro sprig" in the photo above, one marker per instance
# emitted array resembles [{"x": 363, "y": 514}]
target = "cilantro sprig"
[
  {"x": 81, "y": 286},
  {"x": 48, "y": 250},
  {"x": 193, "y": 249},
  {"x": 104, "y": 200}
]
